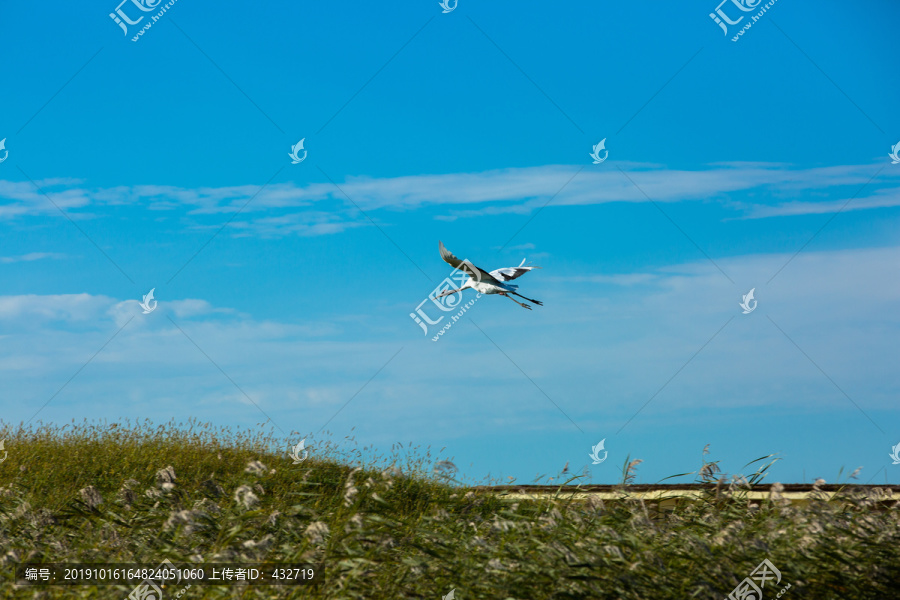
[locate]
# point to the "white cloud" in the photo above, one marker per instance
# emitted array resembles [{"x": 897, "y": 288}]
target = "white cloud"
[
  {"x": 32, "y": 256},
  {"x": 62, "y": 307},
  {"x": 598, "y": 350},
  {"x": 614, "y": 279},
  {"x": 517, "y": 190},
  {"x": 883, "y": 198}
]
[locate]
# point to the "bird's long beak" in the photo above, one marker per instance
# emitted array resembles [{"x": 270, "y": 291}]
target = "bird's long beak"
[{"x": 447, "y": 293}]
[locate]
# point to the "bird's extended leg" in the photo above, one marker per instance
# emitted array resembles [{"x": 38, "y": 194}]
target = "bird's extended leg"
[
  {"x": 538, "y": 302},
  {"x": 516, "y": 301}
]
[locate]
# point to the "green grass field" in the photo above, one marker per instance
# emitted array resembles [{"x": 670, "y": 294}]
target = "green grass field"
[{"x": 104, "y": 494}]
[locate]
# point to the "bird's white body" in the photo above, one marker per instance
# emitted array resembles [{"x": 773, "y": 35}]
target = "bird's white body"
[{"x": 489, "y": 288}]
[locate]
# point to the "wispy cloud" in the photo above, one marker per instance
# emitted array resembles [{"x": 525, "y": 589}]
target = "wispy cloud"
[
  {"x": 631, "y": 336},
  {"x": 33, "y": 308},
  {"x": 319, "y": 208},
  {"x": 32, "y": 256},
  {"x": 883, "y": 198},
  {"x": 619, "y": 279}
]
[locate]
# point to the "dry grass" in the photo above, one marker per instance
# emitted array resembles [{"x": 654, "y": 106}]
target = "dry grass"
[{"x": 392, "y": 529}]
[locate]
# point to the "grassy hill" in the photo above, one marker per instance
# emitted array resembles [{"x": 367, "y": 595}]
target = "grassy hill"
[{"x": 192, "y": 494}]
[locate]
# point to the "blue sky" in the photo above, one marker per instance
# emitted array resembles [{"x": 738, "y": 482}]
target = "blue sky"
[{"x": 285, "y": 290}]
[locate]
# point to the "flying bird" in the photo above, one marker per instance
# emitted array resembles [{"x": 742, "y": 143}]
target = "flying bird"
[{"x": 488, "y": 283}]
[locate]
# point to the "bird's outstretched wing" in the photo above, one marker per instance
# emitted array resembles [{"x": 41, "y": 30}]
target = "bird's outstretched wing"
[
  {"x": 510, "y": 273},
  {"x": 465, "y": 266}
]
